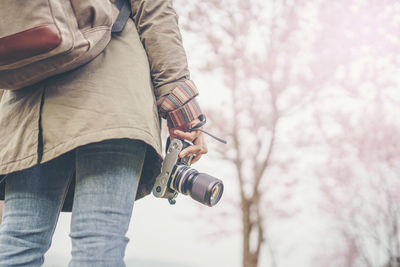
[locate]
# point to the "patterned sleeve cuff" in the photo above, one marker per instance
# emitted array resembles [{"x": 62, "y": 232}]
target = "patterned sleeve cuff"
[
  {"x": 179, "y": 106},
  {"x": 185, "y": 114}
]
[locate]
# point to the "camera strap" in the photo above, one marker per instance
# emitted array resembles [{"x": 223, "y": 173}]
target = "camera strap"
[
  {"x": 125, "y": 12},
  {"x": 203, "y": 120}
]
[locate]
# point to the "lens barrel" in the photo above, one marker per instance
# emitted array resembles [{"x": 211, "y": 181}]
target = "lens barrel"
[{"x": 202, "y": 187}]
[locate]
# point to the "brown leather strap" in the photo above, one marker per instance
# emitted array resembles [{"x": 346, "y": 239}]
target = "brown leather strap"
[{"x": 32, "y": 42}]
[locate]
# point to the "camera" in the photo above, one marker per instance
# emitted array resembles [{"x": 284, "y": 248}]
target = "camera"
[{"x": 178, "y": 177}]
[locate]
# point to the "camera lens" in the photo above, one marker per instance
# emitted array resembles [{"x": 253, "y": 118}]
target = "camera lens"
[
  {"x": 216, "y": 194},
  {"x": 200, "y": 186}
]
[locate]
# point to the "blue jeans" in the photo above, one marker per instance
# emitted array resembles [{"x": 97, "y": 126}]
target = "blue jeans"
[{"x": 107, "y": 176}]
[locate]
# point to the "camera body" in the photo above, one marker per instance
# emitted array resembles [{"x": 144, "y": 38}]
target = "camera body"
[{"x": 178, "y": 177}]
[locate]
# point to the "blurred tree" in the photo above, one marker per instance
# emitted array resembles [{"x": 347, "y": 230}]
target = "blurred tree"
[
  {"x": 338, "y": 59},
  {"x": 356, "y": 64},
  {"x": 254, "y": 46},
  {"x": 361, "y": 188}
]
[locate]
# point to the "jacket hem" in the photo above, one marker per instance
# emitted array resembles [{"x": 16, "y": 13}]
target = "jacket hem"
[
  {"x": 49, "y": 154},
  {"x": 114, "y": 133},
  {"x": 19, "y": 165}
]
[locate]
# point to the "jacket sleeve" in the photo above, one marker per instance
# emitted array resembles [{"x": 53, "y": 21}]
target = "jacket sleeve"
[{"x": 157, "y": 24}]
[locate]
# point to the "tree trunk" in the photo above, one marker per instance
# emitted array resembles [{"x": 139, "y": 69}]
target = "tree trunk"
[{"x": 250, "y": 259}]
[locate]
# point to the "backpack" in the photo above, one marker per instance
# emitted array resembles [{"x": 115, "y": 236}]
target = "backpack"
[{"x": 42, "y": 38}]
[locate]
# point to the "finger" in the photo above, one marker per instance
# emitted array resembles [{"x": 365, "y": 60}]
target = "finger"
[
  {"x": 199, "y": 141},
  {"x": 186, "y": 135},
  {"x": 173, "y": 135},
  {"x": 203, "y": 144},
  {"x": 196, "y": 158},
  {"x": 191, "y": 150}
]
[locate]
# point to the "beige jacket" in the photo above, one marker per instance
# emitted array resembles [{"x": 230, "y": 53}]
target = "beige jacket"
[{"x": 114, "y": 96}]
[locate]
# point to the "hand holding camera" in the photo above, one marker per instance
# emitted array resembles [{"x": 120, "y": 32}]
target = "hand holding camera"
[
  {"x": 176, "y": 174},
  {"x": 195, "y": 136}
]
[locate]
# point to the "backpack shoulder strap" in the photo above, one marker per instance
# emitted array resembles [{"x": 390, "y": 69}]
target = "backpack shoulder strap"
[{"x": 125, "y": 12}]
